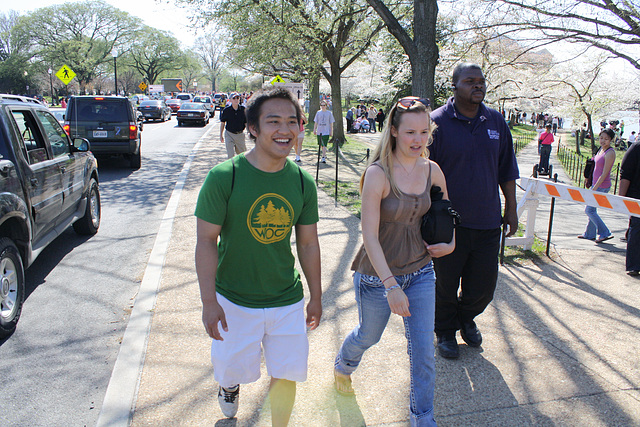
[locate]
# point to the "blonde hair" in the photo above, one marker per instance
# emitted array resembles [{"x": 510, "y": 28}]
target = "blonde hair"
[{"x": 383, "y": 153}]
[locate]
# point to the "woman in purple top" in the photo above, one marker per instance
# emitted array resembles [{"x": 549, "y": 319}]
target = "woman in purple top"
[{"x": 604, "y": 159}]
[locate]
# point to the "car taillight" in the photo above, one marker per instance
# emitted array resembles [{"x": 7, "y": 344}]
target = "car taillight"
[
  {"x": 67, "y": 128},
  {"x": 133, "y": 131}
]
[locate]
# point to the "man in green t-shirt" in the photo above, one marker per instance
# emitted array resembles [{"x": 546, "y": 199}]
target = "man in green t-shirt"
[{"x": 248, "y": 283}]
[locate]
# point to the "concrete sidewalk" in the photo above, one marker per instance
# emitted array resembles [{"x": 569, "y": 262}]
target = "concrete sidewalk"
[{"x": 560, "y": 339}]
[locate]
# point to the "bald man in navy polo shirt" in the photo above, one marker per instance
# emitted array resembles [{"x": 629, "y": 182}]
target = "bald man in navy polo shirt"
[{"x": 474, "y": 149}]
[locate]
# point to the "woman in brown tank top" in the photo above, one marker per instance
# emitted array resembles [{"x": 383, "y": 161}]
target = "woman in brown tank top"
[{"x": 393, "y": 269}]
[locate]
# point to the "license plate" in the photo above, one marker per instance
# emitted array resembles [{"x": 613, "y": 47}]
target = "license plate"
[
  {"x": 190, "y": 115},
  {"x": 99, "y": 133},
  {"x": 147, "y": 114}
]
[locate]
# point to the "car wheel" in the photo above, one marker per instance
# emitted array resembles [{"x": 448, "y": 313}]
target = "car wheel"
[
  {"x": 90, "y": 222},
  {"x": 11, "y": 286}
]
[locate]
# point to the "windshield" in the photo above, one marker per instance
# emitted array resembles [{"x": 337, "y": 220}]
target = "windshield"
[
  {"x": 191, "y": 106},
  {"x": 187, "y": 97},
  {"x": 98, "y": 109},
  {"x": 150, "y": 103}
]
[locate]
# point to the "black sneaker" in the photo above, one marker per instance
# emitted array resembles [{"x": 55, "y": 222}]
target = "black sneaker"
[
  {"x": 471, "y": 335},
  {"x": 228, "y": 399},
  {"x": 448, "y": 346}
]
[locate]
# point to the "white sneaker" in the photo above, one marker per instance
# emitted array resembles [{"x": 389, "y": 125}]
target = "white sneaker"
[
  {"x": 324, "y": 160},
  {"x": 297, "y": 158},
  {"x": 228, "y": 399}
]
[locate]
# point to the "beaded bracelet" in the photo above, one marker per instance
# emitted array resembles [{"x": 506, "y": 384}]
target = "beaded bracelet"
[{"x": 386, "y": 291}]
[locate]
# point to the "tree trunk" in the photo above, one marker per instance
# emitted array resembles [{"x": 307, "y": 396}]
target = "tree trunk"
[
  {"x": 424, "y": 56},
  {"x": 422, "y": 48},
  {"x": 336, "y": 101},
  {"x": 314, "y": 97},
  {"x": 594, "y": 149}
]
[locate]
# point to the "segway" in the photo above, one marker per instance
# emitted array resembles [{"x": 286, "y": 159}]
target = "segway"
[{"x": 537, "y": 170}]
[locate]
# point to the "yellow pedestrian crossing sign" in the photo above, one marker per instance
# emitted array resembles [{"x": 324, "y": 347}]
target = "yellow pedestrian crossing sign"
[
  {"x": 277, "y": 79},
  {"x": 142, "y": 86},
  {"x": 65, "y": 74}
]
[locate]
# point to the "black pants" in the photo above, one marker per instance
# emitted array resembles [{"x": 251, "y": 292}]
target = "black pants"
[
  {"x": 473, "y": 268},
  {"x": 633, "y": 245},
  {"x": 545, "y": 152}
]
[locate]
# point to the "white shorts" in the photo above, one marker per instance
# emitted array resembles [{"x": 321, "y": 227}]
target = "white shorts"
[{"x": 280, "y": 331}]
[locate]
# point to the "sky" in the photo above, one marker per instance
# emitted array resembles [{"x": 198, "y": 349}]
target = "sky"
[{"x": 162, "y": 14}]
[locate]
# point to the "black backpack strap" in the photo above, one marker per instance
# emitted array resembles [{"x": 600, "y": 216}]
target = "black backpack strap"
[
  {"x": 233, "y": 174},
  {"x": 301, "y": 180}
]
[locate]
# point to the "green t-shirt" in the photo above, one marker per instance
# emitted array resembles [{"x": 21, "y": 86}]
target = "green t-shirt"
[{"x": 256, "y": 267}]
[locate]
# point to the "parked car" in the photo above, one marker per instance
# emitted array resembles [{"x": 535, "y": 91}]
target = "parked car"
[
  {"x": 220, "y": 99},
  {"x": 174, "y": 104},
  {"x": 191, "y": 112},
  {"x": 155, "y": 110},
  {"x": 48, "y": 182},
  {"x": 109, "y": 123},
  {"x": 206, "y": 101},
  {"x": 184, "y": 96}
]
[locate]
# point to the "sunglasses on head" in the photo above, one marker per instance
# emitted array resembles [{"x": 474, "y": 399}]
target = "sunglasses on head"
[{"x": 409, "y": 101}]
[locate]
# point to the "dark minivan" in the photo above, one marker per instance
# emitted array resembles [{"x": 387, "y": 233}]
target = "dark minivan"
[{"x": 108, "y": 122}]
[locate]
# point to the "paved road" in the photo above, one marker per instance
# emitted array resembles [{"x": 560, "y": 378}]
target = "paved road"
[{"x": 57, "y": 365}]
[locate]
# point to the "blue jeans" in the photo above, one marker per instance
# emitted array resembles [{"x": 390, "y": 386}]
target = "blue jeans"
[
  {"x": 374, "y": 313},
  {"x": 595, "y": 223}
]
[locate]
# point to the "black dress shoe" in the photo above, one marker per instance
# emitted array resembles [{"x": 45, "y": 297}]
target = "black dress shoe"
[
  {"x": 471, "y": 335},
  {"x": 448, "y": 346}
]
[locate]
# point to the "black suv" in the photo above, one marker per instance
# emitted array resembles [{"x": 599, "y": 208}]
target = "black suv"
[
  {"x": 110, "y": 123},
  {"x": 47, "y": 183}
]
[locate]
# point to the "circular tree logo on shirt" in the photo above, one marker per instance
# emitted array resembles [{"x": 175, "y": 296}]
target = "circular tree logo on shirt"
[{"x": 270, "y": 218}]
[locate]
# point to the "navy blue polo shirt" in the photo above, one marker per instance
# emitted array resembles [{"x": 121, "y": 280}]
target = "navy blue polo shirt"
[{"x": 476, "y": 155}]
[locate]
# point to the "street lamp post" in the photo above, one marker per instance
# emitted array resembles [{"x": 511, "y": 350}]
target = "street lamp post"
[
  {"x": 114, "y": 53},
  {"x": 50, "y": 71},
  {"x": 195, "y": 86},
  {"x": 26, "y": 82}
]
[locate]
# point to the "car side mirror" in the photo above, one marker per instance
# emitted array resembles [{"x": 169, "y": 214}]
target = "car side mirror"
[{"x": 81, "y": 144}]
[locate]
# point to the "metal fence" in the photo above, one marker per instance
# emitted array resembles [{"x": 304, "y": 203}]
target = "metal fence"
[
  {"x": 574, "y": 163},
  {"x": 521, "y": 141}
]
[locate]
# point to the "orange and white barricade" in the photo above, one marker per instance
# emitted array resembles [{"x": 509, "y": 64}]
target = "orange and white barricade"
[{"x": 535, "y": 187}]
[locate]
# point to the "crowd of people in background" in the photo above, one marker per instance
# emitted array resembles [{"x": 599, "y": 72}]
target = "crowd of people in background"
[{"x": 363, "y": 119}]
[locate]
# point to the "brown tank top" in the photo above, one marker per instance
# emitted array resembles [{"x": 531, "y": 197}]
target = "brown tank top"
[{"x": 399, "y": 233}]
